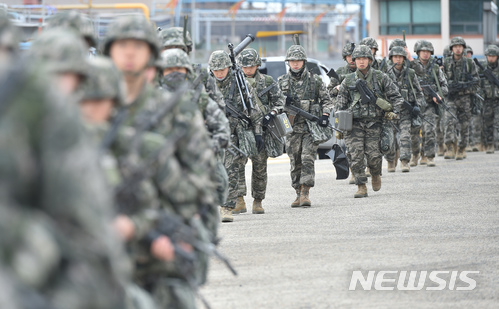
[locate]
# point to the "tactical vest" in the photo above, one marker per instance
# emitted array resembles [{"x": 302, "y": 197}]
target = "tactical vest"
[
  {"x": 490, "y": 90},
  {"x": 405, "y": 84},
  {"x": 359, "y": 109},
  {"x": 308, "y": 99}
]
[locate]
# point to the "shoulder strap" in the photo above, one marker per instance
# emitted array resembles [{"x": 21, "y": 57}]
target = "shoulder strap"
[{"x": 267, "y": 89}]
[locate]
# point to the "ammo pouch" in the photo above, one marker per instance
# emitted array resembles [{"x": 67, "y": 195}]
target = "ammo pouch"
[
  {"x": 319, "y": 134},
  {"x": 384, "y": 104},
  {"x": 387, "y": 140},
  {"x": 273, "y": 147},
  {"x": 247, "y": 141}
]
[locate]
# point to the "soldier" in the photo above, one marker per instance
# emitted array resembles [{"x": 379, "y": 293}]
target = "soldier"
[
  {"x": 9, "y": 42},
  {"x": 468, "y": 52},
  {"x": 346, "y": 53},
  {"x": 364, "y": 138},
  {"x": 132, "y": 44},
  {"x": 377, "y": 64},
  {"x": 174, "y": 38},
  {"x": 272, "y": 101},
  {"x": 176, "y": 68},
  {"x": 306, "y": 91},
  {"x": 77, "y": 22},
  {"x": 55, "y": 208},
  {"x": 462, "y": 80},
  {"x": 433, "y": 77},
  {"x": 491, "y": 93},
  {"x": 244, "y": 134},
  {"x": 410, "y": 122}
]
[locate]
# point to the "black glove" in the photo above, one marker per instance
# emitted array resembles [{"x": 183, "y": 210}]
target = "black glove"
[
  {"x": 260, "y": 145},
  {"x": 324, "y": 121},
  {"x": 267, "y": 118},
  {"x": 416, "y": 111},
  {"x": 288, "y": 100}
]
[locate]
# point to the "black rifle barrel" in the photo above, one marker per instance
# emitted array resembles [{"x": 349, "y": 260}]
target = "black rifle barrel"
[{"x": 244, "y": 43}]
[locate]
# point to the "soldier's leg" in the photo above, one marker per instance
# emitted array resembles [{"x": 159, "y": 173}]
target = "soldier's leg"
[
  {"x": 488, "y": 123},
  {"x": 496, "y": 124},
  {"x": 294, "y": 151},
  {"x": 173, "y": 294},
  {"x": 405, "y": 143},
  {"x": 241, "y": 186},
  {"x": 430, "y": 134},
  {"x": 355, "y": 144},
  {"x": 478, "y": 127},
  {"x": 439, "y": 135},
  {"x": 464, "y": 116},
  {"x": 415, "y": 140},
  {"x": 232, "y": 164},
  {"x": 373, "y": 154},
  {"x": 450, "y": 129},
  {"x": 222, "y": 182},
  {"x": 259, "y": 175}
]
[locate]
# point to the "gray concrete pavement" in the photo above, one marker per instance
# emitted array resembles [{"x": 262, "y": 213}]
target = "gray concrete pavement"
[{"x": 444, "y": 218}]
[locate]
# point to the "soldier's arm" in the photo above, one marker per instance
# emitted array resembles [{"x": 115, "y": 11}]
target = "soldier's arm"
[
  {"x": 256, "y": 114},
  {"x": 392, "y": 93},
  {"x": 442, "y": 80},
  {"x": 343, "y": 98},
  {"x": 331, "y": 88},
  {"x": 276, "y": 97},
  {"x": 217, "y": 122},
  {"x": 419, "y": 93},
  {"x": 324, "y": 98}
]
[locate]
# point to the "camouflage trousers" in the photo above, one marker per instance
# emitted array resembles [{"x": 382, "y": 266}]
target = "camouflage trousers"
[
  {"x": 461, "y": 107},
  {"x": 475, "y": 129},
  {"x": 222, "y": 181},
  {"x": 173, "y": 293},
  {"x": 429, "y": 132},
  {"x": 258, "y": 176},
  {"x": 363, "y": 144},
  {"x": 439, "y": 128},
  {"x": 233, "y": 164},
  {"x": 302, "y": 151},
  {"x": 410, "y": 139},
  {"x": 392, "y": 153},
  {"x": 490, "y": 120}
]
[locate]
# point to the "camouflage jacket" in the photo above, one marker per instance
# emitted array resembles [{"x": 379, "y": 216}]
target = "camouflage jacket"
[
  {"x": 462, "y": 70},
  {"x": 490, "y": 90},
  {"x": 349, "y": 97},
  {"x": 210, "y": 85},
  {"x": 408, "y": 85},
  {"x": 56, "y": 207},
  {"x": 342, "y": 72},
  {"x": 430, "y": 70},
  {"x": 268, "y": 92},
  {"x": 228, "y": 87}
]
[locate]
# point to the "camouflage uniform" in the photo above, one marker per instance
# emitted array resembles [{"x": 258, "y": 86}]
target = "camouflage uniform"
[
  {"x": 378, "y": 64},
  {"x": 195, "y": 158},
  {"x": 460, "y": 101},
  {"x": 342, "y": 72},
  {"x": 364, "y": 139},
  {"x": 409, "y": 124},
  {"x": 491, "y": 95},
  {"x": 272, "y": 100},
  {"x": 55, "y": 207},
  {"x": 77, "y": 22},
  {"x": 434, "y": 77},
  {"x": 306, "y": 91},
  {"x": 241, "y": 132},
  {"x": 215, "y": 119}
]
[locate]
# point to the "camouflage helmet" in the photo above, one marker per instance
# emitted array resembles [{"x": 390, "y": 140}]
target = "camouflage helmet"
[
  {"x": 8, "y": 33},
  {"x": 468, "y": 50},
  {"x": 362, "y": 51},
  {"x": 175, "y": 58},
  {"x": 174, "y": 38},
  {"x": 62, "y": 51},
  {"x": 457, "y": 41},
  {"x": 492, "y": 50},
  {"x": 371, "y": 42},
  {"x": 347, "y": 50},
  {"x": 397, "y": 42},
  {"x": 397, "y": 51},
  {"x": 249, "y": 58},
  {"x": 75, "y": 21},
  {"x": 132, "y": 27},
  {"x": 423, "y": 45},
  {"x": 104, "y": 81},
  {"x": 447, "y": 51},
  {"x": 296, "y": 52},
  {"x": 219, "y": 60}
]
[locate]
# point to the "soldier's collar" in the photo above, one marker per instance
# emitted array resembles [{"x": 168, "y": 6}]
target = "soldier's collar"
[{"x": 362, "y": 76}]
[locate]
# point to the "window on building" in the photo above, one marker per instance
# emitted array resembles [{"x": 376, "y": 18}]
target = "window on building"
[
  {"x": 413, "y": 16},
  {"x": 466, "y": 16}
]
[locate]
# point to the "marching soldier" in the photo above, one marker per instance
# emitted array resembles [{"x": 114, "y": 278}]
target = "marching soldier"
[
  {"x": 245, "y": 127},
  {"x": 346, "y": 53},
  {"x": 463, "y": 81},
  {"x": 377, "y": 64},
  {"x": 272, "y": 101},
  {"x": 432, "y": 77},
  {"x": 307, "y": 92},
  {"x": 364, "y": 139}
]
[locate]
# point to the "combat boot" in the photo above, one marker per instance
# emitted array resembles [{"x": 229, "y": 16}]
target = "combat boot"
[
  {"x": 304, "y": 200},
  {"x": 477, "y": 147},
  {"x": 469, "y": 148},
  {"x": 431, "y": 162},
  {"x": 368, "y": 172},
  {"x": 460, "y": 154},
  {"x": 404, "y": 166},
  {"x": 296, "y": 203},
  {"x": 240, "y": 206},
  {"x": 391, "y": 166},
  {"x": 441, "y": 150},
  {"x": 226, "y": 214},
  {"x": 414, "y": 160},
  {"x": 423, "y": 161},
  {"x": 450, "y": 154},
  {"x": 490, "y": 149},
  {"x": 361, "y": 192},
  {"x": 376, "y": 182},
  {"x": 257, "y": 207}
]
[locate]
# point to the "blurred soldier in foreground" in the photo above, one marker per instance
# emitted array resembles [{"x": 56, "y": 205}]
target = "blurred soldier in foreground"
[
  {"x": 308, "y": 93},
  {"x": 364, "y": 139},
  {"x": 272, "y": 102}
]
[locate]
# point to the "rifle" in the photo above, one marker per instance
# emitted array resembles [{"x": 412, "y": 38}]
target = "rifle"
[
  {"x": 293, "y": 111},
  {"x": 382, "y": 65},
  {"x": 244, "y": 154},
  {"x": 439, "y": 61},
  {"x": 296, "y": 39},
  {"x": 487, "y": 73},
  {"x": 430, "y": 92},
  {"x": 242, "y": 86},
  {"x": 459, "y": 86},
  {"x": 409, "y": 107},
  {"x": 233, "y": 112},
  {"x": 332, "y": 73}
]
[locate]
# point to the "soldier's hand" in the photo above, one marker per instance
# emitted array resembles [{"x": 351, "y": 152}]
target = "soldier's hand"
[
  {"x": 324, "y": 121},
  {"x": 435, "y": 99},
  {"x": 267, "y": 118},
  {"x": 162, "y": 249},
  {"x": 416, "y": 111},
  {"x": 124, "y": 226},
  {"x": 338, "y": 135},
  {"x": 390, "y": 115},
  {"x": 288, "y": 100},
  {"x": 260, "y": 145}
]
